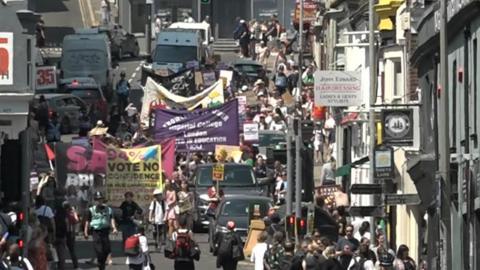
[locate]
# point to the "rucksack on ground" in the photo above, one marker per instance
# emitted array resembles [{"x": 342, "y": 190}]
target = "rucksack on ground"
[
  {"x": 183, "y": 246},
  {"x": 132, "y": 246},
  {"x": 225, "y": 246}
]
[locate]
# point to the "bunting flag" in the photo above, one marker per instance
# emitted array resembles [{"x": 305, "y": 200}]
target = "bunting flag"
[{"x": 49, "y": 151}]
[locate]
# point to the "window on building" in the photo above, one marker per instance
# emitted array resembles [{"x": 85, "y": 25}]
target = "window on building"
[
  {"x": 453, "y": 118},
  {"x": 398, "y": 83}
]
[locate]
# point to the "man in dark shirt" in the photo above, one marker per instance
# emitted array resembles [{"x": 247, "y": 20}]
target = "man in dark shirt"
[
  {"x": 346, "y": 247},
  {"x": 129, "y": 210}
]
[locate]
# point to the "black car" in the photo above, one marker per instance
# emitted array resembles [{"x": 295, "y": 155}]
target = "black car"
[
  {"x": 121, "y": 42},
  {"x": 239, "y": 179},
  {"x": 246, "y": 72},
  {"x": 237, "y": 208}
]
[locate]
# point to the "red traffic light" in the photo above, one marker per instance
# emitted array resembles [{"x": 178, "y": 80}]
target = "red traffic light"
[
  {"x": 302, "y": 223},
  {"x": 20, "y": 216},
  {"x": 20, "y": 243},
  {"x": 291, "y": 220}
]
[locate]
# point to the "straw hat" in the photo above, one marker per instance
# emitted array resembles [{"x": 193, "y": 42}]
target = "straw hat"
[{"x": 259, "y": 81}]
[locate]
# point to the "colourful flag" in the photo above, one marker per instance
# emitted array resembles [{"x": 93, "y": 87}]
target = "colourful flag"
[{"x": 49, "y": 151}]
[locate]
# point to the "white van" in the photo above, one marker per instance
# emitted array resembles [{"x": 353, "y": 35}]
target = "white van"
[{"x": 87, "y": 54}]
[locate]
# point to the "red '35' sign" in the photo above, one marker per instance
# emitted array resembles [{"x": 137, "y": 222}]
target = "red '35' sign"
[{"x": 46, "y": 78}]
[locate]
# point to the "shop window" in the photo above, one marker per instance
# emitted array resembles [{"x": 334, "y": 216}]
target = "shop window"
[{"x": 398, "y": 79}]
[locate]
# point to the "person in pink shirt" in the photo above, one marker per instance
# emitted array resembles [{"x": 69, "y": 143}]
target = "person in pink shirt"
[{"x": 170, "y": 202}]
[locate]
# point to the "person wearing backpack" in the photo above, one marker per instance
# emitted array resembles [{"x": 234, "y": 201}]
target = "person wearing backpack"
[
  {"x": 100, "y": 221},
  {"x": 281, "y": 80},
  {"x": 155, "y": 217},
  {"x": 122, "y": 90},
  {"x": 46, "y": 219},
  {"x": 130, "y": 210},
  {"x": 136, "y": 250},
  {"x": 185, "y": 249},
  {"x": 361, "y": 261},
  {"x": 287, "y": 259},
  {"x": 274, "y": 252},
  {"x": 229, "y": 248}
]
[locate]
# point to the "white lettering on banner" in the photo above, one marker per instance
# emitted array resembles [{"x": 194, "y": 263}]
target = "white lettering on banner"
[
  {"x": 79, "y": 179},
  {"x": 337, "y": 88},
  {"x": 6, "y": 58}
]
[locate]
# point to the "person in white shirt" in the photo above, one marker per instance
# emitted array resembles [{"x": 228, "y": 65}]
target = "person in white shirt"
[
  {"x": 188, "y": 18},
  {"x": 155, "y": 216},
  {"x": 137, "y": 262},
  {"x": 278, "y": 124},
  {"x": 158, "y": 25},
  {"x": 259, "y": 250}
]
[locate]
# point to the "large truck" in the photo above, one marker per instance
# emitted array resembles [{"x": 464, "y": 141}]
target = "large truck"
[{"x": 176, "y": 50}]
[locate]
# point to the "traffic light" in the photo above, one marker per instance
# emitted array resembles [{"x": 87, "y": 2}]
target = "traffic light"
[
  {"x": 205, "y": 1},
  {"x": 302, "y": 226},
  {"x": 290, "y": 226}
]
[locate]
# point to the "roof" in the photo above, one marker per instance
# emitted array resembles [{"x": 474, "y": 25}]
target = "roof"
[
  {"x": 246, "y": 62},
  {"x": 246, "y": 197},
  {"x": 184, "y": 25},
  {"x": 52, "y": 96},
  {"x": 226, "y": 164}
]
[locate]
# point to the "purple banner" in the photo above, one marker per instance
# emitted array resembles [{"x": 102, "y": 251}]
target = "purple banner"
[{"x": 199, "y": 130}]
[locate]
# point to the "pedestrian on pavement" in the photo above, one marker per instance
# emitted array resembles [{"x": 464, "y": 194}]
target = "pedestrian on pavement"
[
  {"x": 158, "y": 25},
  {"x": 46, "y": 217},
  {"x": 332, "y": 263},
  {"x": 40, "y": 33},
  {"x": 130, "y": 210},
  {"x": 99, "y": 222},
  {"x": 185, "y": 203},
  {"x": 37, "y": 249},
  {"x": 229, "y": 248},
  {"x": 61, "y": 225},
  {"x": 287, "y": 259},
  {"x": 105, "y": 10},
  {"x": 274, "y": 252},
  {"x": 122, "y": 90},
  {"x": 243, "y": 36},
  {"x": 259, "y": 250},
  {"x": 281, "y": 80},
  {"x": 42, "y": 116},
  {"x": 72, "y": 221},
  {"x": 403, "y": 260},
  {"x": 53, "y": 129},
  {"x": 155, "y": 216},
  {"x": 186, "y": 250},
  {"x": 142, "y": 258},
  {"x": 170, "y": 203}
]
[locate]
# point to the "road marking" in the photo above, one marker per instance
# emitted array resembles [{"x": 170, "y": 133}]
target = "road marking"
[
  {"x": 138, "y": 68},
  {"x": 82, "y": 13},
  {"x": 90, "y": 11}
]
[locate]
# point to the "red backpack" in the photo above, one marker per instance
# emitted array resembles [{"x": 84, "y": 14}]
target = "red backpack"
[
  {"x": 132, "y": 246},
  {"x": 183, "y": 246}
]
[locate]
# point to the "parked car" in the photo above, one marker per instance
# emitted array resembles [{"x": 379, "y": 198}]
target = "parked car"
[
  {"x": 89, "y": 91},
  {"x": 239, "y": 179},
  {"x": 237, "y": 208},
  {"x": 69, "y": 109},
  {"x": 246, "y": 72}
]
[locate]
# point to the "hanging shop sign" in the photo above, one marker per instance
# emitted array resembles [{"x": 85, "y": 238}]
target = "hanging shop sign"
[
  {"x": 384, "y": 163},
  {"x": 397, "y": 126},
  {"x": 337, "y": 88}
]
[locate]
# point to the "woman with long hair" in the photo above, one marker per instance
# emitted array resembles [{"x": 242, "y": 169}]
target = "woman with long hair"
[
  {"x": 403, "y": 260},
  {"x": 185, "y": 203},
  {"x": 170, "y": 203}
]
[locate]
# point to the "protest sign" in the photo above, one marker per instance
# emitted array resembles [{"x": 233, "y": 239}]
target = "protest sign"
[
  {"x": 199, "y": 130},
  {"x": 218, "y": 173},
  {"x": 250, "y": 132},
  {"x": 79, "y": 166},
  {"x": 228, "y": 151},
  {"x": 138, "y": 170}
]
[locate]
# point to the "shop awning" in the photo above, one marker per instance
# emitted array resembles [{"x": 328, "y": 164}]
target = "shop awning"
[{"x": 347, "y": 168}]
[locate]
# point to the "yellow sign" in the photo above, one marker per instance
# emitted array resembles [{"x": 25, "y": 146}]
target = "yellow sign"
[
  {"x": 218, "y": 173},
  {"x": 138, "y": 170}
]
